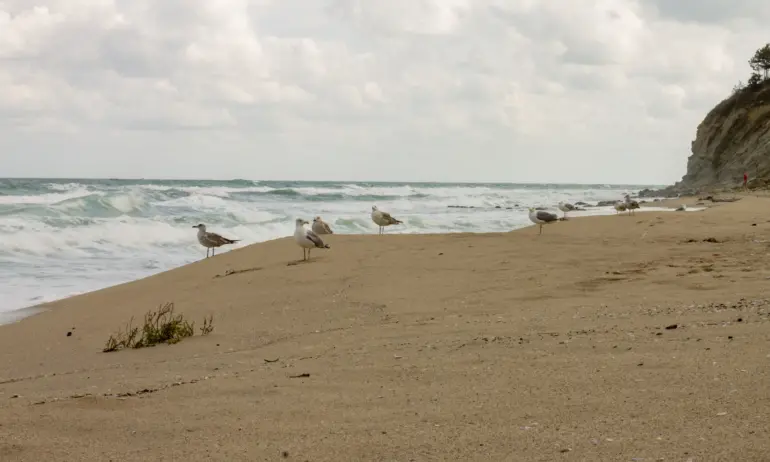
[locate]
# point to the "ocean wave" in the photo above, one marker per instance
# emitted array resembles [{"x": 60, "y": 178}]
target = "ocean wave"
[
  {"x": 65, "y": 236},
  {"x": 42, "y": 199}
]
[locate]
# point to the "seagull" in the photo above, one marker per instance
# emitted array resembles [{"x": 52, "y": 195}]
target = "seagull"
[
  {"x": 320, "y": 226},
  {"x": 383, "y": 219},
  {"x": 307, "y": 239},
  {"x": 541, "y": 217},
  {"x": 681, "y": 208},
  {"x": 620, "y": 207},
  {"x": 211, "y": 240},
  {"x": 566, "y": 207},
  {"x": 631, "y": 205}
]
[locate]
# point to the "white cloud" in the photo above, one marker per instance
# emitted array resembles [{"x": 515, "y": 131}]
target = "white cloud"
[{"x": 482, "y": 90}]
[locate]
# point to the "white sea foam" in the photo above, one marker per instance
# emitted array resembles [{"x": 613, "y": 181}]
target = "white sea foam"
[{"x": 64, "y": 238}]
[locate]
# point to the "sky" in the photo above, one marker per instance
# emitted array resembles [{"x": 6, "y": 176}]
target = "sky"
[{"x": 586, "y": 91}]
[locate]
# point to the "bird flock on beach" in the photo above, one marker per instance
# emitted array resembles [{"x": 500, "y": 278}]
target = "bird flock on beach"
[
  {"x": 308, "y": 238},
  {"x": 308, "y": 235}
]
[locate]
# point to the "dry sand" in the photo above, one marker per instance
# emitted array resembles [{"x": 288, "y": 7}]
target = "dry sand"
[{"x": 496, "y": 347}]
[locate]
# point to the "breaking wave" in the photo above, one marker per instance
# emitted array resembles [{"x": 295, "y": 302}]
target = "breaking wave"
[{"x": 62, "y": 237}]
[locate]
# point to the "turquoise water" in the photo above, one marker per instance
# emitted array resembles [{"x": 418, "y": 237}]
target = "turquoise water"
[{"x": 67, "y": 236}]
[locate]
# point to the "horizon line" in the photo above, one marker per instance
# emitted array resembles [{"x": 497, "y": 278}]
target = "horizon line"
[{"x": 331, "y": 181}]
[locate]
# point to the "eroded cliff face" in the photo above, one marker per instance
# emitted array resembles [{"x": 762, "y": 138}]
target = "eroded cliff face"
[{"x": 733, "y": 138}]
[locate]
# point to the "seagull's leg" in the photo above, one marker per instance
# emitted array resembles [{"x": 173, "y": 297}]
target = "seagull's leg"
[
  {"x": 541, "y": 229},
  {"x": 213, "y": 251},
  {"x": 308, "y": 254},
  {"x": 207, "y": 252}
]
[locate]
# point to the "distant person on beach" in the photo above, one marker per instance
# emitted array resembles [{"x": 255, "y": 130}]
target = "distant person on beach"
[{"x": 745, "y": 181}]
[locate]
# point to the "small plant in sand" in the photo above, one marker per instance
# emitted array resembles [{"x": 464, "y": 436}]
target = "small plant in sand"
[
  {"x": 160, "y": 326},
  {"x": 125, "y": 338},
  {"x": 208, "y": 325}
]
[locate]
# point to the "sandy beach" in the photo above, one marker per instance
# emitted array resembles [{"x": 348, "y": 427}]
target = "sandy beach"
[{"x": 611, "y": 338}]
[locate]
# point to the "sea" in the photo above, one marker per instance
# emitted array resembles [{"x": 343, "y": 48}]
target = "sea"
[{"x": 62, "y": 237}]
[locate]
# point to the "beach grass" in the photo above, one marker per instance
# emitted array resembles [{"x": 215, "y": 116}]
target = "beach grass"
[{"x": 160, "y": 326}]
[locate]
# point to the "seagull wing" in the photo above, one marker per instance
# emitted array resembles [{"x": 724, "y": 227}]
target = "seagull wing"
[
  {"x": 389, "y": 218},
  {"x": 546, "y": 216},
  {"x": 313, "y": 237},
  {"x": 218, "y": 240}
]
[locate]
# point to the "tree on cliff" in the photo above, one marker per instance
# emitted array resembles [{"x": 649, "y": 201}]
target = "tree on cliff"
[
  {"x": 760, "y": 62},
  {"x": 754, "y": 80}
]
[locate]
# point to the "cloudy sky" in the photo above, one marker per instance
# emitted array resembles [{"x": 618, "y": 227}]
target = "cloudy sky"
[{"x": 434, "y": 90}]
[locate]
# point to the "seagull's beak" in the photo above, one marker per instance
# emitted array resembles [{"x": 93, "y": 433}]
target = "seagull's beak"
[{"x": 194, "y": 226}]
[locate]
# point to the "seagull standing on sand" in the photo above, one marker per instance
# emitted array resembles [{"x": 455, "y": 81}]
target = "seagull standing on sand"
[
  {"x": 320, "y": 226},
  {"x": 566, "y": 207},
  {"x": 383, "y": 219},
  {"x": 631, "y": 205},
  {"x": 541, "y": 217},
  {"x": 211, "y": 240},
  {"x": 620, "y": 207},
  {"x": 307, "y": 239}
]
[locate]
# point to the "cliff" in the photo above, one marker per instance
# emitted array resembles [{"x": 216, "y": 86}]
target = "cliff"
[{"x": 733, "y": 138}]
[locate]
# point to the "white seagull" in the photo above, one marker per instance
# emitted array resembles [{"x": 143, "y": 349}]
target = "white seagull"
[
  {"x": 320, "y": 226},
  {"x": 307, "y": 239},
  {"x": 566, "y": 207},
  {"x": 541, "y": 217},
  {"x": 211, "y": 240},
  {"x": 383, "y": 219}
]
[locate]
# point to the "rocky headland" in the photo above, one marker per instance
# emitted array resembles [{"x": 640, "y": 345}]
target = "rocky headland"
[{"x": 733, "y": 138}]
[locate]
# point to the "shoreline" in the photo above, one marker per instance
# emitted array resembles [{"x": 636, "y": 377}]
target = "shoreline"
[
  {"x": 611, "y": 338},
  {"x": 663, "y": 205},
  {"x": 18, "y": 314}
]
